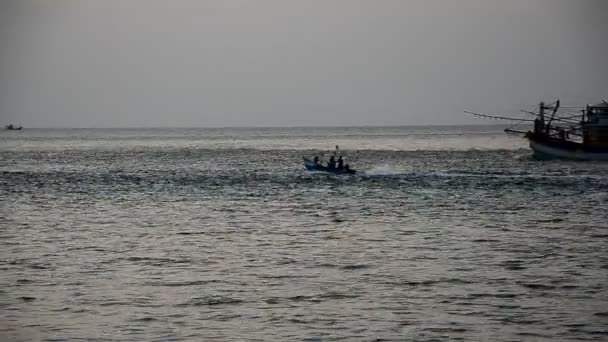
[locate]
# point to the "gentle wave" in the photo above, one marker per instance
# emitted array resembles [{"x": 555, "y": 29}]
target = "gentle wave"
[{"x": 172, "y": 239}]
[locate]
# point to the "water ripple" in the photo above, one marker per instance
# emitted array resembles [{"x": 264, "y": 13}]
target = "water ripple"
[{"x": 171, "y": 238}]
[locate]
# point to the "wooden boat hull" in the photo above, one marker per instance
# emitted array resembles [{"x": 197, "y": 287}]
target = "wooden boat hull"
[{"x": 545, "y": 148}]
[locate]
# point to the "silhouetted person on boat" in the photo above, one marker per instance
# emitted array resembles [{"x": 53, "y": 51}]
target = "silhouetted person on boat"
[
  {"x": 316, "y": 160},
  {"x": 340, "y": 163},
  {"x": 332, "y": 162}
]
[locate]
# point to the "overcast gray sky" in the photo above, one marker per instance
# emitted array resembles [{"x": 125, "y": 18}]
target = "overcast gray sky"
[{"x": 142, "y": 63}]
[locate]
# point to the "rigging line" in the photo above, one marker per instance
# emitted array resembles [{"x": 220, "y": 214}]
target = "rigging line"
[
  {"x": 572, "y": 116},
  {"x": 568, "y": 118},
  {"x": 529, "y": 112},
  {"x": 559, "y": 118},
  {"x": 498, "y": 117}
]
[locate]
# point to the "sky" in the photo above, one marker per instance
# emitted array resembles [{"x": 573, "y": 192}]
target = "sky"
[{"x": 217, "y": 63}]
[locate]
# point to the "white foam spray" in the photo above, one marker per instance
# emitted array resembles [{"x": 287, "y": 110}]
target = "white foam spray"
[{"x": 383, "y": 170}]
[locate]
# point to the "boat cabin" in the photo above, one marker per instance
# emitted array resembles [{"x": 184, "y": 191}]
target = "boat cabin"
[
  {"x": 597, "y": 114},
  {"x": 595, "y": 125}
]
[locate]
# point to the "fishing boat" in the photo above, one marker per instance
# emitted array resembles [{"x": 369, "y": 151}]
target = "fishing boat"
[
  {"x": 311, "y": 165},
  {"x": 331, "y": 167},
  {"x": 12, "y": 127},
  {"x": 573, "y": 133}
]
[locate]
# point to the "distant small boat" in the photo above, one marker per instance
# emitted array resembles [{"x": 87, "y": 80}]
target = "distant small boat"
[
  {"x": 312, "y": 166},
  {"x": 12, "y": 127}
]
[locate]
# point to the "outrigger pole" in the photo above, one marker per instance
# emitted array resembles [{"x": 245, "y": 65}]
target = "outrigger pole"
[
  {"x": 498, "y": 117},
  {"x": 507, "y": 130},
  {"x": 567, "y": 119}
]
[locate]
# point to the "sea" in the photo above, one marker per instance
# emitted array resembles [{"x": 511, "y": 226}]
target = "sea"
[{"x": 445, "y": 233}]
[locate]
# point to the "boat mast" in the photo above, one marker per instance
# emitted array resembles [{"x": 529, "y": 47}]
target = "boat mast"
[
  {"x": 539, "y": 123},
  {"x": 552, "y": 116}
]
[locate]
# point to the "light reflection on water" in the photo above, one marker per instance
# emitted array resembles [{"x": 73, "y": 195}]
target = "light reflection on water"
[{"x": 172, "y": 238}]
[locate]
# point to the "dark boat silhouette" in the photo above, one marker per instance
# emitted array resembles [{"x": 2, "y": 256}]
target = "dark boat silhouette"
[
  {"x": 573, "y": 133},
  {"x": 339, "y": 168},
  {"x": 312, "y": 166},
  {"x": 12, "y": 127}
]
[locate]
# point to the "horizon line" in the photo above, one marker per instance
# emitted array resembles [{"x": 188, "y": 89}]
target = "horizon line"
[{"x": 254, "y": 127}]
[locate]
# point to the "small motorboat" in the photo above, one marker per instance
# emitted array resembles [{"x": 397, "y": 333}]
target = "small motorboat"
[{"x": 312, "y": 166}]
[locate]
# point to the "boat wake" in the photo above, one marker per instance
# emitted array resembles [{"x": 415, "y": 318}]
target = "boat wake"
[{"x": 384, "y": 170}]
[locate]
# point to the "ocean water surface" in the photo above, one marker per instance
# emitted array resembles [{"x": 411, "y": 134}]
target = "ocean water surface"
[{"x": 445, "y": 233}]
